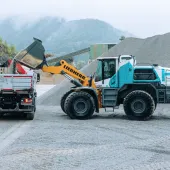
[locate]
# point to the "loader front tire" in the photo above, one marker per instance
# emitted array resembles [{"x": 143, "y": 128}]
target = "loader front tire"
[
  {"x": 139, "y": 105},
  {"x": 79, "y": 105},
  {"x": 62, "y": 101}
]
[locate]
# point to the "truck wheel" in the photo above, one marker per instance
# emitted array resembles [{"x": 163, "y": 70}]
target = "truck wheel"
[
  {"x": 30, "y": 116},
  {"x": 139, "y": 105},
  {"x": 79, "y": 105},
  {"x": 35, "y": 108},
  {"x": 62, "y": 101}
]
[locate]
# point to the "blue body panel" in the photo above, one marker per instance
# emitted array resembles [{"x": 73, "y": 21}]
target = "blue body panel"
[
  {"x": 125, "y": 76},
  {"x": 165, "y": 73}
]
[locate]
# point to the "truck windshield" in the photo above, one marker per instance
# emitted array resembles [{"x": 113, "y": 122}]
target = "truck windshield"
[{"x": 109, "y": 68}]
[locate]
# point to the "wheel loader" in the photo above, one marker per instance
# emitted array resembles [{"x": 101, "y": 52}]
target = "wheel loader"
[{"x": 117, "y": 80}]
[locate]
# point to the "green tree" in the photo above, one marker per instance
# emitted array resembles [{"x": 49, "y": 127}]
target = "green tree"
[
  {"x": 11, "y": 51},
  {"x": 6, "y": 49},
  {"x": 1, "y": 40}
]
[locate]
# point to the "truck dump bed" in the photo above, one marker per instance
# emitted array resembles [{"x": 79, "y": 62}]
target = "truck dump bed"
[
  {"x": 18, "y": 93},
  {"x": 17, "y": 82}
]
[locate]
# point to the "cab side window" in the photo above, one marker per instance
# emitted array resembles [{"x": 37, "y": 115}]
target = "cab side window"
[{"x": 109, "y": 68}]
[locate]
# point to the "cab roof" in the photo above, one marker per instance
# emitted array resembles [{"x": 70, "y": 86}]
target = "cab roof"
[{"x": 115, "y": 57}]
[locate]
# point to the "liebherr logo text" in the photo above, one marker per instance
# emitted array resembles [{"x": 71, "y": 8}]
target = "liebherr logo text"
[{"x": 74, "y": 72}]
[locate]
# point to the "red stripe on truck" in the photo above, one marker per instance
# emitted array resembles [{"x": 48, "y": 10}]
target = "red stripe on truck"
[
  {"x": 7, "y": 89},
  {"x": 18, "y": 76}
]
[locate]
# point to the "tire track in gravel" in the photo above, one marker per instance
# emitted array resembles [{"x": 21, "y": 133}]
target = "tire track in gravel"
[
  {"x": 8, "y": 137},
  {"x": 13, "y": 133}
]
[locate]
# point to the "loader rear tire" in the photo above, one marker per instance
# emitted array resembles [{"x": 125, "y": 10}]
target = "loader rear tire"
[
  {"x": 79, "y": 105},
  {"x": 62, "y": 101},
  {"x": 155, "y": 104},
  {"x": 139, "y": 105}
]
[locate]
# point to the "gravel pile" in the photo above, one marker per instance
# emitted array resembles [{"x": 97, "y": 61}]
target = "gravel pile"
[
  {"x": 153, "y": 50},
  {"x": 150, "y": 50}
]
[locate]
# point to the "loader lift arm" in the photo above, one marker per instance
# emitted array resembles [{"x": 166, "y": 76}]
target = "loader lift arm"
[{"x": 66, "y": 68}]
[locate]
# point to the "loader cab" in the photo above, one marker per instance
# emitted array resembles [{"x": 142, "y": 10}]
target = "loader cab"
[{"x": 108, "y": 67}]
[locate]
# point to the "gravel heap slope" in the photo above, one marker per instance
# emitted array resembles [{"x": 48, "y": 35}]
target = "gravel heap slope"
[{"x": 151, "y": 50}]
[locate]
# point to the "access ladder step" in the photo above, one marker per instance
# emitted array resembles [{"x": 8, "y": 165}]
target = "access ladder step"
[
  {"x": 161, "y": 95},
  {"x": 109, "y": 97}
]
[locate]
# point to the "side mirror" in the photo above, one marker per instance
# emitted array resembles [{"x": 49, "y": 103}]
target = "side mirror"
[{"x": 38, "y": 77}]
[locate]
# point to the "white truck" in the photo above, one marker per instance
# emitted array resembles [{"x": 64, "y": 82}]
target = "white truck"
[{"x": 18, "y": 94}]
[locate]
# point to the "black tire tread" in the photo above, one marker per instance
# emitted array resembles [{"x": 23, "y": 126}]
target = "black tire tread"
[
  {"x": 30, "y": 116},
  {"x": 62, "y": 101},
  {"x": 68, "y": 103},
  {"x": 139, "y": 93}
]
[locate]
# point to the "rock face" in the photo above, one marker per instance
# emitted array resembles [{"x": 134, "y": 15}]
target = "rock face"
[{"x": 150, "y": 50}]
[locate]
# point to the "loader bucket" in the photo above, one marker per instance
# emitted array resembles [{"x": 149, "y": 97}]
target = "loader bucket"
[{"x": 33, "y": 56}]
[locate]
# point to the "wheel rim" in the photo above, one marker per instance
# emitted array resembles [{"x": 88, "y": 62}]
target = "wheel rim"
[
  {"x": 80, "y": 107},
  {"x": 138, "y": 106}
]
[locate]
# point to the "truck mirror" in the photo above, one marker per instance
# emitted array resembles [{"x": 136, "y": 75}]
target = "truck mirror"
[{"x": 38, "y": 77}]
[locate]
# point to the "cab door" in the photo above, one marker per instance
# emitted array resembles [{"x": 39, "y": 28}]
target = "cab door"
[{"x": 106, "y": 70}]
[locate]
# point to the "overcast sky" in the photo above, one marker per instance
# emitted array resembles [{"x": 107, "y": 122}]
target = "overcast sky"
[{"x": 141, "y": 17}]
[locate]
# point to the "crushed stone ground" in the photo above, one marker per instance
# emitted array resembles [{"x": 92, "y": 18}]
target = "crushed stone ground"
[{"x": 107, "y": 141}]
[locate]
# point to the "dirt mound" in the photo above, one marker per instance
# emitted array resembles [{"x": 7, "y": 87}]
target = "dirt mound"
[{"x": 153, "y": 50}]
